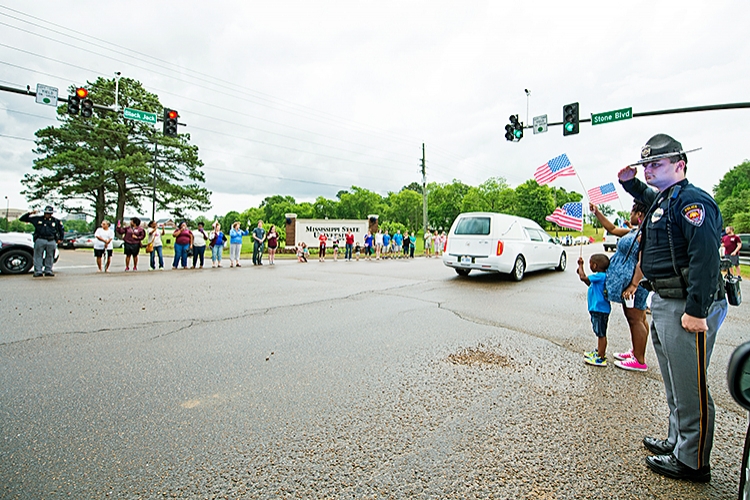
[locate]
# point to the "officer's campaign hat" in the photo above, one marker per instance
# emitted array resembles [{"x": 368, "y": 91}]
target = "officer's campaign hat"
[
  {"x": 48, "y": 209},
  {"x": 661, "y": 146}
]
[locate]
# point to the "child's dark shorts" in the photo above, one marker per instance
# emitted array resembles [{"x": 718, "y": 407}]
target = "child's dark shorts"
[{"x": 599, "y": 322}]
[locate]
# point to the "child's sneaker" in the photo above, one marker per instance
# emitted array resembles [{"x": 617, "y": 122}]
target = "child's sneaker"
[
  {"x": 622, "y": 356},
  {"x": 596, "y": 361},
  {"x": 591, "y": 354},
  {"x": 632, "y": 364}
]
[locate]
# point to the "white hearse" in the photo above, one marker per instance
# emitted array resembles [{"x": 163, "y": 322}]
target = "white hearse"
[{"x": 500, "y": 243}]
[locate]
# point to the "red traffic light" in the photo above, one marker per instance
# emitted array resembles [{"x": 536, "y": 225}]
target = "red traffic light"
[
  {"x": 172, "y": 114},
  {"x": 82, "y": 92}
]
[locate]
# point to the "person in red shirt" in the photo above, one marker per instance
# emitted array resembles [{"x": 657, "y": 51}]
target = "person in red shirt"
[
  {"x": 133, "y": 234},
  {"x": 349, "y": 246},
  {"x": 322, "y": 247},
  {"x": 732, "y": 244}
]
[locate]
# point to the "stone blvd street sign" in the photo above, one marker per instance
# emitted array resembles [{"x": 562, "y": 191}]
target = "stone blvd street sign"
[
  {"x": 611, "y": 116},
  {"x": 139, "y": 116}
]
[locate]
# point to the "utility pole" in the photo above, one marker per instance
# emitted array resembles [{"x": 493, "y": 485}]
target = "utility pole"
[
  {"x": 424, "y": 192},
  {"x": 153, "y": 199}
]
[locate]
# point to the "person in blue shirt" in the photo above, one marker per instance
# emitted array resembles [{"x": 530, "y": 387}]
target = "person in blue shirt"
[
  {"x": 216, "y": 242},
  {"x": 398, "y": 240},
  {"x": 235, "y": 244},
  {"x": 599, "y": 307},
  {"x": 386, "y": 244}
]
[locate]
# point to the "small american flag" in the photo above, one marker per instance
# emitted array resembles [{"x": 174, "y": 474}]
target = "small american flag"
[
  {"x": 556, "y": 167},
  {"x": 570, "y": 216},
  {"x": 602, "y": 194}
]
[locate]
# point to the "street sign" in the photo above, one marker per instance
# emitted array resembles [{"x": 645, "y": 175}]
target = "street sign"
[
  {"x": 540, "y": 124},
  {"x": 46, "y": 95},
  {"x": 139, "y": 116},
  {"x": 611, "y": 116}
]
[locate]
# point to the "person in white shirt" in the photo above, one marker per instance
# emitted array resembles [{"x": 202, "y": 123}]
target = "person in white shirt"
[
  {"x": 155, "y": 245},
  {"x": 103, "y": 242},
  {"x": 378, "y": 244},
  {"x": 200, "y": 237},
  {"x": 428, "y": 241}
]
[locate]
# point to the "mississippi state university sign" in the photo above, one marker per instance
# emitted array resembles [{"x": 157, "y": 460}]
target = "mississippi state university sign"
[{"x": 309, "y": 230}]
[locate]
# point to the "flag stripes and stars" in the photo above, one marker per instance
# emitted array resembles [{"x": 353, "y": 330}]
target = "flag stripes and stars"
[
  {"x": 557, "y": 167},
  {"x": 569, "y": 215},
  {"x": 602, "y": 194}
]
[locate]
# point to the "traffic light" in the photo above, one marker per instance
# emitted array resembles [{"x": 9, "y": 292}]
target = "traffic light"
[
  {"x": 170, "y": 122},
  {"x": 514, "y": 130},
  {"x": 570, "y": 119},
  {"x": 74, "y": 102},
  {"x": 87, "y": 108}
]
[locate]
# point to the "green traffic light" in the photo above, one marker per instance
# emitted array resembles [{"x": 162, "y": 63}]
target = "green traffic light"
[
  {"x": 569, "y": 127},
  {"x": 518, "y": 134}
]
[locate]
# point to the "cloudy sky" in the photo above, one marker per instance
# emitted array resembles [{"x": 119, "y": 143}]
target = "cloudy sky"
[{"x": 305, "y": 98}]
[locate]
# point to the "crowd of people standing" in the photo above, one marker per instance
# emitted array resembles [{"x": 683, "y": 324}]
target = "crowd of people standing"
[{"x": 378, "y": 245}]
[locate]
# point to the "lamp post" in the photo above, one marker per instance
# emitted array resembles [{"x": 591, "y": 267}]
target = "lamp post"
[
  {"x": 7, "y": 209},
  {"x": 528, "y": 95},
  {"x": 117, "y": 90}
]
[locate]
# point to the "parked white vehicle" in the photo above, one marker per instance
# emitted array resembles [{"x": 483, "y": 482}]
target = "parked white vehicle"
[
  {"x": 17, "y": 252},
  {"x": 610, "y": 242},
  {"x": 491, "y": 242}
]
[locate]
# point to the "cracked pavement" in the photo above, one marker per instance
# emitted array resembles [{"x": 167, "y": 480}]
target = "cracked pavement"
[{"x": 365, "y": 379}]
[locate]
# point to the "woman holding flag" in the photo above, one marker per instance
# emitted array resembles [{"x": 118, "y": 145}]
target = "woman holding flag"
[{"x": 623, "y": 276}]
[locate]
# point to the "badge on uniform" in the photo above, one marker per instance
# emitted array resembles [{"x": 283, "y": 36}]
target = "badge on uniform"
[
  {"x": 658, "y": 213},
  {"x": 694, "y": 213}
]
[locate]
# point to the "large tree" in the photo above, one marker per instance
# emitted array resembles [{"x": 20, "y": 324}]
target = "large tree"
[
  {"x": 535, "y": 202},
  {"x": 404, "y": 207},
  {"x": 104, "y": 161},
  {"x": 444, "y": 203},
  {"x": 359, "y": 203},
  {"x": 733, "y": 196}
]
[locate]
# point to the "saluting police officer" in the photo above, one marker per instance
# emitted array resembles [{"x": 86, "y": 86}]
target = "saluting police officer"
[
  {"x": 679, "y": 255},
  {"x": 48, "y": 232}
]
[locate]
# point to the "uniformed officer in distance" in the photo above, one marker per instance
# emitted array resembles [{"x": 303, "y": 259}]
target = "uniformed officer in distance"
[
  {"x": 48, "y": 232},
  {"x": 680, "y": 258}
]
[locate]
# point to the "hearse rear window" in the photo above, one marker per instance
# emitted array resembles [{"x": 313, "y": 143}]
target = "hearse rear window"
[{"x": 474, "y": 225}]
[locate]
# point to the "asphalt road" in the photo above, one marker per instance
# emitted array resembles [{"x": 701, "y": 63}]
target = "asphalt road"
[{"x": 386, "y": 379}]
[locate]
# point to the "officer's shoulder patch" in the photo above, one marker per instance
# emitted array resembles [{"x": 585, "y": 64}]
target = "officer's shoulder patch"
[{"x": 695, "y": 213}]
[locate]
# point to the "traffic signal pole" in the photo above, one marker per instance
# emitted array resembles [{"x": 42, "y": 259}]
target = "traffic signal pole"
[
  {"x": 28, "y": 92},
  {"x": 694, "y": 109}
]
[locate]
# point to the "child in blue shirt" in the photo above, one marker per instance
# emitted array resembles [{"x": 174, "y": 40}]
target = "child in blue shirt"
[{"x": 599, "y": 307}]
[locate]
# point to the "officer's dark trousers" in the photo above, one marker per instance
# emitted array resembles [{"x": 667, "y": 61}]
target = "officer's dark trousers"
[
  {"x": 683, "y": 360},
  {"x": 44, "y": 255}
]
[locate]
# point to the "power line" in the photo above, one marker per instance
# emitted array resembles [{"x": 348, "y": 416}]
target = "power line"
[
  {"x": 232, "y": 85},
  {"x": 328, "y": 120},
  {"x": 229, "y": 85},
  {"x": 215, "y": 151},
  {"x": 16, "y": 137},
  {"x": 243, "y": 138},
  {"x": 202, "y": 102}
]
